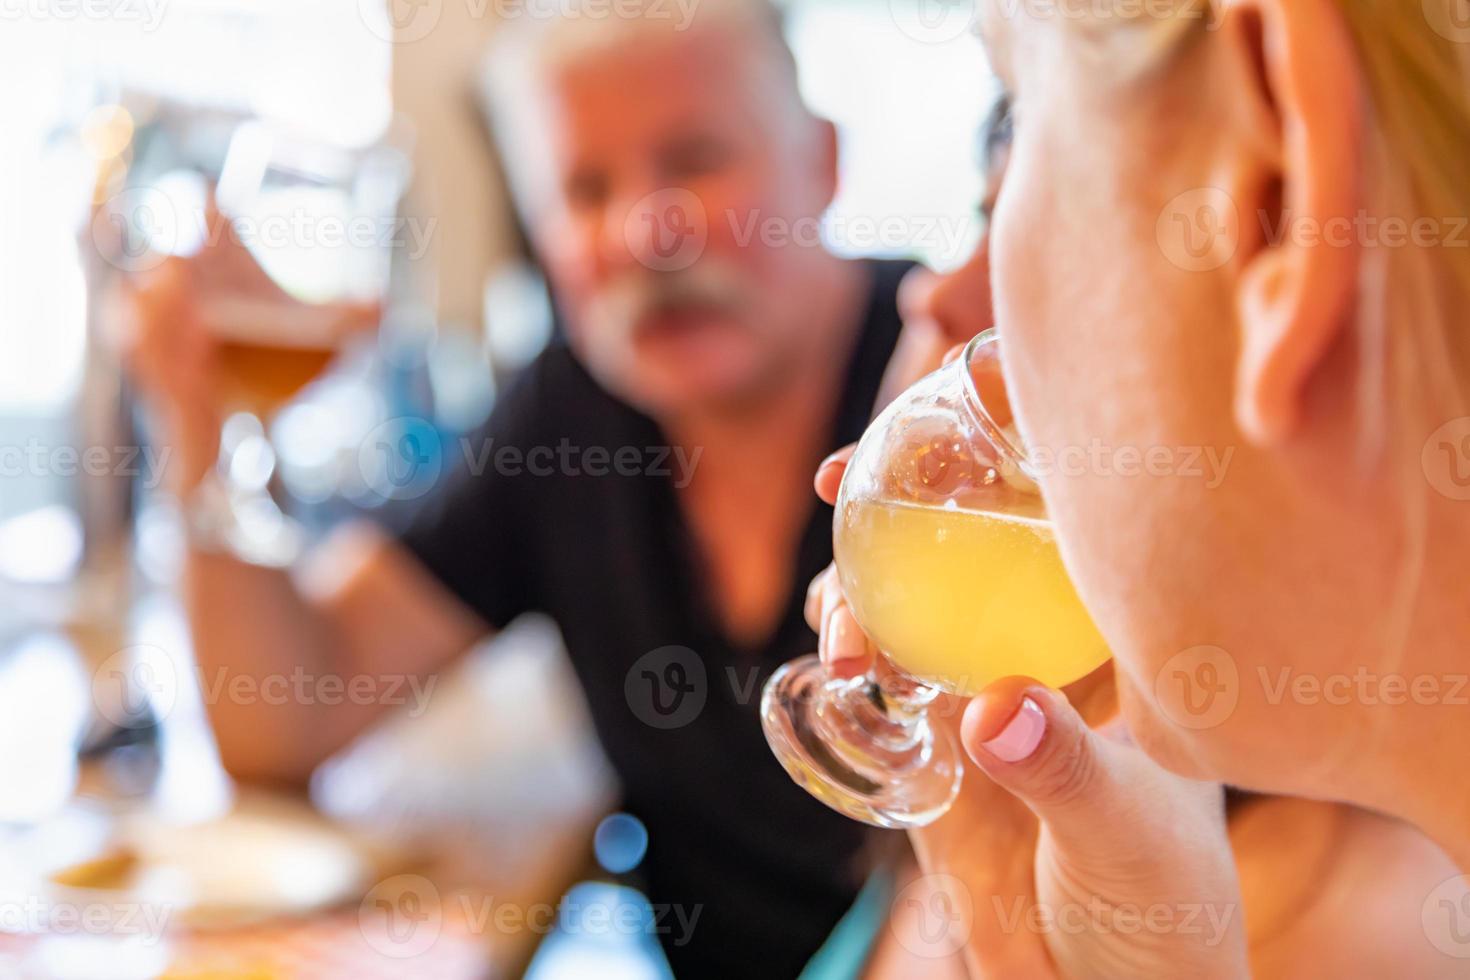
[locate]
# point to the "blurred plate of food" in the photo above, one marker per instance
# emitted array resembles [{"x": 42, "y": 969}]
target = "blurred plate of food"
[{"x": 268, "y": 858}]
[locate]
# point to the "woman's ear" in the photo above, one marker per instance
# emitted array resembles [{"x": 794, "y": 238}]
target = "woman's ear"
[{"x": 1299, "y": 277}]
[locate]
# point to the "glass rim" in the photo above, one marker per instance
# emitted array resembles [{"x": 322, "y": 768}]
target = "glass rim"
[{"x": 1004, "y": 445}]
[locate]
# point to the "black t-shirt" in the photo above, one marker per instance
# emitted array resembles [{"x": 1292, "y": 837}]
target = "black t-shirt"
[{"x": 574, "y": 514}]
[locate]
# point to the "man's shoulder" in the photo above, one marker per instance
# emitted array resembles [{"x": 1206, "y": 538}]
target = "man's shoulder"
[
  {"x": 887, "y": 274},
  {"x": 554, "y": 371},
  {"x": 554, "y": 395},
  {"x": 882, "y": 321},
  {"x": 883, "y": 316}
]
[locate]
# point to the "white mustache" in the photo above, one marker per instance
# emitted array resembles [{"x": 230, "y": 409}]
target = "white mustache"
[{"x": 640, "y": 294}]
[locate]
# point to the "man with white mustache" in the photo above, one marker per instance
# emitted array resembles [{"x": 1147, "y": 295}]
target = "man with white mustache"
[{"x": 637, "y": 149}]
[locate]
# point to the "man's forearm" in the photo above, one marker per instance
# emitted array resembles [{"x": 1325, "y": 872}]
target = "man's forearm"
[
  {"x": 295, "y": 665},
  {"x": 262, "y": 651}
]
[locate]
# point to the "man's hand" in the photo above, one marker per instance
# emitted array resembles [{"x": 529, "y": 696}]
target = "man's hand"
[
  {"x": 174, "y": 360},
  {"x": 171, "y": 318}
]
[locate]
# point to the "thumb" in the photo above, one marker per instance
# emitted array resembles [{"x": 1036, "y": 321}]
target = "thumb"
[
  {"x": 1033, "y": 743},
  {"x": 1118, "y": 832}
]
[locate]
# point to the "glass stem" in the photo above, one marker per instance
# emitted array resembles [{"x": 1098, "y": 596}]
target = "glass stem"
[{"x": 890, "y": 709}]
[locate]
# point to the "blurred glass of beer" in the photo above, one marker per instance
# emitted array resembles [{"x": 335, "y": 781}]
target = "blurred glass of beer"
[{"x": 269, "y": 351}]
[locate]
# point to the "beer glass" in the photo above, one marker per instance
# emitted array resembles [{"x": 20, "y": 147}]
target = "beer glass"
[
  {"x": 299, "y": 264},
  {"x": 949, "y": 564}
]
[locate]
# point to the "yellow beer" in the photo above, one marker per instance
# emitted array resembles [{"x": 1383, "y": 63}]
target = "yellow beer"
[
  {"x": 269, "y": 350},
  {"x": 263, "y": 377},
  {"x": 959, "y": 598}
]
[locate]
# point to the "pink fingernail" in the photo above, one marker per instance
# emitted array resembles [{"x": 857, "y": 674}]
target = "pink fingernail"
[
  {"x": 1021, "y": 735},
  {"x": 842, "y": 647}
]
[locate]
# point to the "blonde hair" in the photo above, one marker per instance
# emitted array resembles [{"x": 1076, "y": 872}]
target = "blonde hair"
[
  {"x": 1415, "y": 351},
  {"x": 1415, "y": 60},
  {"x": 1417, "y": 164}
]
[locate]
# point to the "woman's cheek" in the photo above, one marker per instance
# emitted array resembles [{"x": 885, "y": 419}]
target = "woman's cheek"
[
  {"x": 1019, "y": 269},
  {"x": 1045, "y": 297},
  {"x": 1151, "y": 731}
]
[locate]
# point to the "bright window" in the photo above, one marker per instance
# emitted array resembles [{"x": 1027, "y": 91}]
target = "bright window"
[{"x": 908, "y": 102}]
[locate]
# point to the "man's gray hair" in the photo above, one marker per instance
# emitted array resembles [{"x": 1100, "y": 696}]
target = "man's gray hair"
[{"x": 542, "y": 36}]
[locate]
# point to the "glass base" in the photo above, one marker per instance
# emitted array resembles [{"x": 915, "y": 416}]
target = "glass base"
[
  {"x": 245, "y": 523},
  {"x": 863, "y": 748},
  {"x": 262, "y": 533}
]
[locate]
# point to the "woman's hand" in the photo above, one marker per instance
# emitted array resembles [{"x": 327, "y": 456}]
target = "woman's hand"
[{"x": 1068, "y": 853}]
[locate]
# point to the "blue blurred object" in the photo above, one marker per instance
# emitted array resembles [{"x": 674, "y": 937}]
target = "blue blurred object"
[
  {"x": 845, "y": 953},
  {"x": 605, "y": 931},
  {"x": 620, "y": 842}
]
